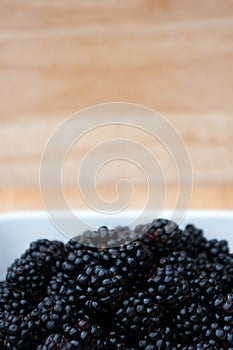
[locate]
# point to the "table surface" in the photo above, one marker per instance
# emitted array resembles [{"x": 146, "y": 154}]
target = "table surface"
[{"x": 173, "y": 56}]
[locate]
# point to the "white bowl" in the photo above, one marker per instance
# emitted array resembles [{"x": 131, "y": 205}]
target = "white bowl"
[{"x": 18, "y": 229}]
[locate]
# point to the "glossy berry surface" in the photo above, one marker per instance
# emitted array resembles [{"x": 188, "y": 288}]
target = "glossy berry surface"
[{"x": 156, "y": 287}]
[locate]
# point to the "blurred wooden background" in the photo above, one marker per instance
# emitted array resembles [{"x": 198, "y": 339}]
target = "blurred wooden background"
[{"x": 175, "y": 56}]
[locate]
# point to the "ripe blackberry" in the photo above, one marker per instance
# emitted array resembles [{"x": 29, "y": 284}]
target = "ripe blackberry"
[
  {"x": 84, "y": 333},
  {"x": 32, "y": 270},
  {"x": 191, "y": 320},
  {"x": 192, "y": 240},
  {"x": 162, "y": 236},
  {"x": 204, "y": 288},
  {"x": 183, "y": 264},
  {"x": 65, "y": 286},
  {"x": 167, "y": 286},
  {"x": 101, "y": 288},
  {"x": 77, "y": 257},
  {"x": 220, "y": 262},
  {"x": 18, "y": 332},
  {"x": 130, "y": 259},
  {"x": 138, "y": 315},
  {"x": 215, "y": 247},
  {"x": 56, "y": 342},
  {"x": 52, "y": 313},
  {"x": 14, "y": 301},
  {"x": 219, "y": 268}
]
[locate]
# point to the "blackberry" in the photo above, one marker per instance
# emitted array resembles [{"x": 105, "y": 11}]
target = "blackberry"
[
  {"x": 77, "y": 257},
  {"x": 84, "y": 333},
  {"x": 65, "y": 286},
  {"x": 167, "y": 286},
  {"x": 101, "y": 288},
  {"x": 130, "y": 259},
  {"x": 183, "y": 264},
  {"x": 163, "y": 236},
  {"x": 215, "y": 247},
  {"x": 56, "y": 342},
  {"x": 52, "y": 313},
  {"x": 33, "y": 269},
  {"x": 14, "y": 301},
  {"x": 219, "y": 267},
  {"x": 138, "y": 315},
  {"x": 18, "y": 332},
  {"x": 191, "y": 320},
  {"x": 222, "y": 261},
  {"x": 204, "y": 288},
  {"x": 192, "y": 240}
]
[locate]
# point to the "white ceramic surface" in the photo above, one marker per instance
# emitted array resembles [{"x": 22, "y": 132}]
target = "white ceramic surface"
[{"x": 17, "y": 230}]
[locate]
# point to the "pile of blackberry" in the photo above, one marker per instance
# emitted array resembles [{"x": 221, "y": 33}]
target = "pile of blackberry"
[{"x": 154, "y": 287}]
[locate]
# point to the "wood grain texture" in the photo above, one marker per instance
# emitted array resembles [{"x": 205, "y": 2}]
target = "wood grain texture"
[
  {"x": 203, "y": 197},
  {"x": 175, "y": 56}
]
